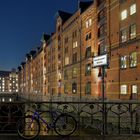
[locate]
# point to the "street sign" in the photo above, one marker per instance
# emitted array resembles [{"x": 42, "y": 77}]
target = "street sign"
[{"x": 100, "y": 60}]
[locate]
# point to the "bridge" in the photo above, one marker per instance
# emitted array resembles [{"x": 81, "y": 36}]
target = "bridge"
[{"x": 96, "y": 120}]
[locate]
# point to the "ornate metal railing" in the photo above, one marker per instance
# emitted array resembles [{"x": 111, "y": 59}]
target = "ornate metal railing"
[{"x": 94, "y": 118}]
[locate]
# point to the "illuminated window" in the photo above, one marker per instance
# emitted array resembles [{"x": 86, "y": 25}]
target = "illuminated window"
[
  {"x": 123, "y": 62},
  {"x": 123, "y": 14},
  {"x": 3, "y": 100},
  {"x": 123, "y": 89},
  {"x": 74, "y": 72},
  {"x": 88, "y": 23},
  {"x": 134, "y": 89},
  {"x": 74, "y": 88},
  {"x": 66, "y": 60},
  {"x": 133, "y": 59},
  {"x": 133, "y": 31},
  {"x": 88, "y": 70},
  {"x": 132, "y": 9},
  {"x": 124, "y": 35},
  {"x": 75, "y": 44},
  {"x": 10, "y": 100}
]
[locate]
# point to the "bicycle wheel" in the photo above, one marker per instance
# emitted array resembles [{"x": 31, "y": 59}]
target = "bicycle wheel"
[
  {"x": 27, "y": 128},
  {"x": 65, "y": 125}
]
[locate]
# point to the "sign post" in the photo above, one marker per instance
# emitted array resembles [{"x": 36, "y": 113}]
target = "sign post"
[{"x": 101, "y": 61}]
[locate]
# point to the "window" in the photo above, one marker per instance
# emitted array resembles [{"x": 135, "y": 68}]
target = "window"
[
  {"x": 66, "y": 49},
  {"x": 65, "y": 74},
  {"x": 66, "y": 60},
  {"x": 124, "y": 35},
  {"x": 74, "y": 72},
  {"x": 88, "y": 70},
  {"x": 66, "y": 40},
  {"x": 88, "y": 52},
  {"x": 88, "y": 36},
  {"x": 123, "y": 14},
  {"x": 88, "y": 23},
  {"x": 66, "y": 88},
  {"x": 123, "y": 62},
  {"x": 132, "y": 9},
  {"x": 133, "y": 31},
  {"x": 102, "y": 47},
  {"x": 133, "y": 59},
  {"x": 134, "y": 89},
  {"x": 75, "y": 44},
  {"x": 102, "y": 15},
  {"x": 74, "y": 88},
  {"x": 74, "y": 34},
  {"x": 102, "y": 30},
  {"x": 123, "y": 89},
  {"x": 88, "y": 88},
  {"x": 75, "y": 57}
]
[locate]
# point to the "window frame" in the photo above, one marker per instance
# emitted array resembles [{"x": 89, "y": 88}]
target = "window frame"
[
  {"x": 126, "y": 89},
  {"x": 133, "y": 10},
  {"x": 125, "y": 12},
  {"x": 133, "y": 89},
  {"x": 88, "y": 88},
  {"x": 131, "y": 60},
  {"x": 131, "y": 34},
  {"x": 124, "y": 67},
  {"x": 74, "y": 87}
]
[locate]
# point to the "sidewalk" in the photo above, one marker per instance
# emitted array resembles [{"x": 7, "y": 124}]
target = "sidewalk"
[{"x": 15, "y": 137}]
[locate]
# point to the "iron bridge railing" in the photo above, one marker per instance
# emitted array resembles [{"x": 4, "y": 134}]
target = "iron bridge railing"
[{"x": 93, "y": 118}]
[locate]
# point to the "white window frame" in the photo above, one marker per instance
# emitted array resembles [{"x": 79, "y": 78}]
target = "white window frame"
[
  {"x": 134, "y": 89},
  {"x": 123, "y": 89},
  {"x": 133, "y": 9},
  {"x": 66, "y": 60},
  {"x": 124, "y": 14},
  {"x": 133, "y": 33},
  {"x": 88, "y": 23},
  {"x": 75, "y": 44}
]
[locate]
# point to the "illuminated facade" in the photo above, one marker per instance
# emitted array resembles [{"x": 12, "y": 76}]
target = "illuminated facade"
[
  {"x": 61, "y": 69},
  {"x": 8, "y": 82}
]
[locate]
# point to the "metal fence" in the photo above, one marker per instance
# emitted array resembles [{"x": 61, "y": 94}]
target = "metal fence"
[{"x": 93, "y": 118}]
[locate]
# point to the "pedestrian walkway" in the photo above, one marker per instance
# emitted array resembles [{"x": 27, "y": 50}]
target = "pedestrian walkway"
[{"x": 15, "y": 137}]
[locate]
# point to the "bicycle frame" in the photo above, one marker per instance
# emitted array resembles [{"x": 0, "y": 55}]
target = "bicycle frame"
[{"x": 37, "y": 115}]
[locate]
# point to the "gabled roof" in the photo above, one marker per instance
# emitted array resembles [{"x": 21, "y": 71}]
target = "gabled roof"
[
  {"x": 22, "y": 64},
  {"x": 45, "y": 37},
  {"x": 83, "y": 5},
  {"x": 19, "y": 68},
  {"x": 28, "y": 56},
  {"x": 63, "y": 15},
  {"x": 32, "y": 52}
]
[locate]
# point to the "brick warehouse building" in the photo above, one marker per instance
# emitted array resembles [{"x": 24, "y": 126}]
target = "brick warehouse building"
[{"x": 61, "y": 68}]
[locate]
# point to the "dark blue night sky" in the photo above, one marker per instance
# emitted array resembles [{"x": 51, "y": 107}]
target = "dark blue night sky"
[{"x": 22, "y": 23}]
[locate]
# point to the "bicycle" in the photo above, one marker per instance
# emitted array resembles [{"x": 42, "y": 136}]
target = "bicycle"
[{"x": 28, "y": 127}]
